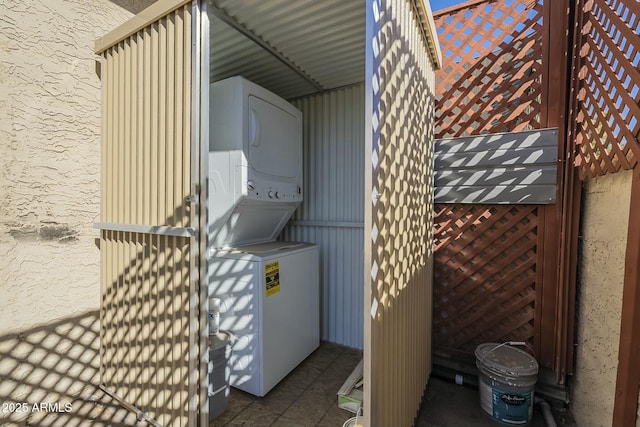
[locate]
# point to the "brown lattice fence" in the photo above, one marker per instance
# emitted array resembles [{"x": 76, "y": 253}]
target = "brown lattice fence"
[
  {"x": 607, "y": 87},
  {"x": 488, "y": 298},
  {"x": 485, "y": 278},
  {"x": 496, "y": 273},
  {"x": 508, "y": 272},
  {"x": 491, "y": 80}
]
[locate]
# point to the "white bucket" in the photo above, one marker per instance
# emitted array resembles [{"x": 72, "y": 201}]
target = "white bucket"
[
  {"x": 219, "y": 373},
  {"x": 353, "y": 422},
  {"x": 507, "y": 378}
]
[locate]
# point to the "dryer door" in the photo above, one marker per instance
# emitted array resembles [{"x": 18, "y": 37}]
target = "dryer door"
[{"x": 275, "y": 139}]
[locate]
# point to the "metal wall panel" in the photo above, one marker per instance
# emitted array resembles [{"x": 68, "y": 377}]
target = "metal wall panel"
[
  {"x": 147, "y": 334},
  {"x": 505, "y": 168},
  {"x": 399, "y": 214},
  {"x": 229, "y": 52},
  {"x": 324, "y": 39},
  {"x": 332, "y": 212}
]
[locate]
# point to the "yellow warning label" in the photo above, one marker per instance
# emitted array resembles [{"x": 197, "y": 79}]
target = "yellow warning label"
[{"x": 272, "y": 278}]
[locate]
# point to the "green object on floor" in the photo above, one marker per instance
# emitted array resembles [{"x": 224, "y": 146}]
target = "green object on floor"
[{"x": 350, "y": 394}]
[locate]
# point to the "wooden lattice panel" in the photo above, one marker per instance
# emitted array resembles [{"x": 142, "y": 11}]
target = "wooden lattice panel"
[
  {"x": 491, "y": 80},
  {"x": 607, "y": 115},
  {"x": 484, "y": 274}
]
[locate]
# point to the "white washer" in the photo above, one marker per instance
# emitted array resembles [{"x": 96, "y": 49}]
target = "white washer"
[{"x": 271, "y": 302}]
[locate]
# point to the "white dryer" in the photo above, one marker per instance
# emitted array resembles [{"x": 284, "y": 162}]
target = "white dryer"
[{"x": 255, "y": 163}]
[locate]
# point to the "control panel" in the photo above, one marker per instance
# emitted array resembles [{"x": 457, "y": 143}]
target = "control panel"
[{"x": 265, "y": 190}]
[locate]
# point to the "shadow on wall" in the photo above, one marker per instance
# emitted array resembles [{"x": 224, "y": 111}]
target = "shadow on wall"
[
  {"x": 133, "y": 6},
  {"x": 401, "y": 217},
  {"x": 49, "y": 376},
  {"x": 145, "y": 321},
  {"x": 403, "y": 213}
]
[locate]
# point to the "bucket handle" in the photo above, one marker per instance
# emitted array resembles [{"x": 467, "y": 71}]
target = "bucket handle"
[{"x": 511, "y": 343}]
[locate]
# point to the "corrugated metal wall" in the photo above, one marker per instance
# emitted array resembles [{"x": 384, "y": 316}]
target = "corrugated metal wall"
[
  {"x": 146, "y": 239},
  {"x": 332, "y": 213},
  {"x": 399, "y": 214},
  {"x": 322, "y": 40}
]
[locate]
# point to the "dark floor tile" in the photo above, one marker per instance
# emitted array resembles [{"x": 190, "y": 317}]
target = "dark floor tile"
[
  {"x": 254, "y": 416},
  {"x": 305, "y": 397},
  {"x": 301, "y": 378},
  {"x": 335, "y": 417},
  {"x": 310, "y": 408},
  {"x": 238, "y": 402},
  {"x": 279, "y": 399},
  {"x": 349, "y": 358},
  {"x": 324, "y": 356},
  {"x": 289, "y": 423},
  {"x": 449, "y": 405}
]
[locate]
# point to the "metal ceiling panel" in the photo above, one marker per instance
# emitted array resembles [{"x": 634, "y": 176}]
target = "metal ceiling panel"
[
  {"x": 231, "y": 53},
  {"x": 324, "y": 40}
]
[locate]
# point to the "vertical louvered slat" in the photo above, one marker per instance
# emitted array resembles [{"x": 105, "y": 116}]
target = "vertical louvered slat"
[
  {"x": 186, "y": 141},
  {"x": 146, "y": 180},
  {"x": 170, "y": 119},
  {"x": 399, "y": 210},
  {"x": 176, "y": 312}
]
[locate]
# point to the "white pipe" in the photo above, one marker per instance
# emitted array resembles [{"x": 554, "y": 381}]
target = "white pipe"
[
  {"x": 214, "y": 315},
  {"x": 546, "y": 411}
]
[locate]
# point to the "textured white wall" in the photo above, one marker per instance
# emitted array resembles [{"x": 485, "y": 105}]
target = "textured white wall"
[
  {"x": 49, "y": 187},
  {"x": 604, "y": 239}
]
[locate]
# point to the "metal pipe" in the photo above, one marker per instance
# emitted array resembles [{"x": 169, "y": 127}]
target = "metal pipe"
[
  {"x": 546, "y": 411},
  {"x": 459, "y": 378}
]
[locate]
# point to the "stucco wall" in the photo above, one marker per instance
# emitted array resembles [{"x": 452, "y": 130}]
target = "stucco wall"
[
  {"x": 604, "y": 231},
  {"x": 49, "y": 187}
]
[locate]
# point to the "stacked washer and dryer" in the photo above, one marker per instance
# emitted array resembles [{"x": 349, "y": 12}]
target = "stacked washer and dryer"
[{"x": 268, "y": 291}]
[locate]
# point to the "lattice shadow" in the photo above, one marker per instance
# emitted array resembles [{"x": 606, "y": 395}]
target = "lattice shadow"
[
  {"x": 487, "y": 298},
  {"x": 56, "y": 364}
]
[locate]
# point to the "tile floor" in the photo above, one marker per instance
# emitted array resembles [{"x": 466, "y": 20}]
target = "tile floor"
[
  {"x": 306, "y": 397},
  {"x": 446, "y": 404}
]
